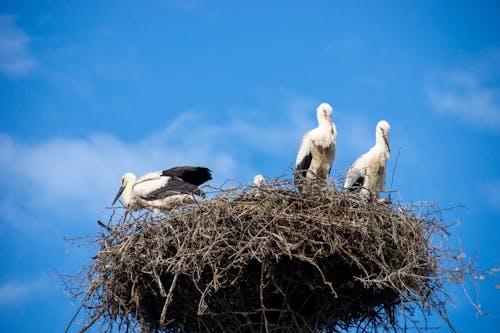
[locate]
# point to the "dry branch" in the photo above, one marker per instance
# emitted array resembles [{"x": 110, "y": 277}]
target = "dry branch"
[{"x": 270, "y": 260}]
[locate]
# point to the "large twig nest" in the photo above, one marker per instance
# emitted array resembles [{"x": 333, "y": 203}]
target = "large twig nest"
[{"x": 269, "y": 260}]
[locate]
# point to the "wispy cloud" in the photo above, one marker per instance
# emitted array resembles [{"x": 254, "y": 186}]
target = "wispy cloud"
[
  {"x": 472, "y": 94},
  {"x": 16, "y": 292},
  {"x": 16, "y": 59},
  {"x": 60, "y": 174}
]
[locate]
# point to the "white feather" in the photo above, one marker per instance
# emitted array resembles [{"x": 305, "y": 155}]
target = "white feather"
[
  {"x": 320, "y": 144},
  {"x": 304, "y": 149},
  {"x": 145, "y": 186},
  {"x": 259, "y": 180},
  {"x": 149, "y": 191},
  {"x": 371, "y": 165}
]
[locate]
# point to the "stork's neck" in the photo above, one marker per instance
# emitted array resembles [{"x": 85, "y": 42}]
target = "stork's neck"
[
  {"x": 381, "y": 144},
  {"x": 379, "y": 140},
  {"x": 322, "y": 121},
  {"x": 323, "y": 135},
  {"x": 128, "y": 195}
]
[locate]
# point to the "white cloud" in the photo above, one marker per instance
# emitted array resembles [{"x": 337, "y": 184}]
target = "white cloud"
[
  {"x": 15, "y": 55},
  {"x": 61, "y": 174},
  {"x": 471, "y": 94},
  {"x": 64, "y": 175},
  {"x": 16, "y": 292}
]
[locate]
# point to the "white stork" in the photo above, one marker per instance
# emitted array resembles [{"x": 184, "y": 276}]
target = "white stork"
[
  {"x": 162, "y": 190},
  {"x": 317, "y": 149},
  {"x": 367, "y": 174},
  {"x": 259, "y": 180}
]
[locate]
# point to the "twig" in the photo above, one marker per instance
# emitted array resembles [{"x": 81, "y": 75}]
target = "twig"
[
  {"x": 394, "y": 171},
  {"x": 270, "y": 261}
]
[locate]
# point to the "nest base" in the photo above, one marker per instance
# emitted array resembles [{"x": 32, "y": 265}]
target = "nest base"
[{"x": 267, "y": 259}]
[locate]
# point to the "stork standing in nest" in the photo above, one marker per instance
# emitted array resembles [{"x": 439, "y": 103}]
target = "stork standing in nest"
[
  {"x": 317, "y": 149},
  {"x": 162, "y": 190},
  {"x": 367, "y": 174}
]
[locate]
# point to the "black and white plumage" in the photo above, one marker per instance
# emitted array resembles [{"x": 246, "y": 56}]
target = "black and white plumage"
[
  {"x": 317, "y": 149},
  {"x": 162, "y": 190},
  {"x": 367, "y": 174}
]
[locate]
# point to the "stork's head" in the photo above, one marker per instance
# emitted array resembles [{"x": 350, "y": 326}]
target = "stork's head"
[
  {"x": 259, "y": 180},
  {"x": 324, "y": 113},
  {"x": 128, "y": 179},
  {"x": 382, "y": 131}
]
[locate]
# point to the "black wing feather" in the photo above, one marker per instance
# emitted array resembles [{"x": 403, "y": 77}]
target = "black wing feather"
[
  {"x": 357, "y": 185},
  {"x": 173, "y": 186},
  {"x": 189, "y": 174},
  {"x": 303, "y": 166}
]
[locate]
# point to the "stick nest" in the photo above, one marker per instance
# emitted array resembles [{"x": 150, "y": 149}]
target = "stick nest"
[{"x": 268, "y": 259}]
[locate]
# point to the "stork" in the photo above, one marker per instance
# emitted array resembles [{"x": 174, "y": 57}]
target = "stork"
[
  {"x": 367, "y": 174},
  {"x": 259, "y": 180},
  {"x": 317, "y": 149},
  {"x": 162, "y": 190}
]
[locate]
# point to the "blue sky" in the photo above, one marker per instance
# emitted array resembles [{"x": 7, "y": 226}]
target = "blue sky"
[{"x": 92, "y": 89}]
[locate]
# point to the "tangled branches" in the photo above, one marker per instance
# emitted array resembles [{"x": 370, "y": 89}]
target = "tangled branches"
[{"x": 269, "y": 259}]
